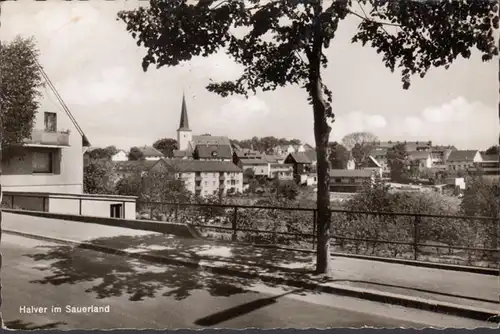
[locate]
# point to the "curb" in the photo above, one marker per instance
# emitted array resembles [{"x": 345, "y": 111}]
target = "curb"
[{"x": 367, "y": 294}]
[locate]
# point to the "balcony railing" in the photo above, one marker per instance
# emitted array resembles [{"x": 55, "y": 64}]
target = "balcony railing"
[{"x": 41, "y": 137}]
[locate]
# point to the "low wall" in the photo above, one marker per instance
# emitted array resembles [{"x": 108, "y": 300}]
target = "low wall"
[{"x": 180, "y": 230}]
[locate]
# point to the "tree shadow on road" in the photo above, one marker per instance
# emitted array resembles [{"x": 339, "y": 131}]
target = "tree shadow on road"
[
  {"x": 23, "y": 325},
  {"x": 117, "y": 275}
]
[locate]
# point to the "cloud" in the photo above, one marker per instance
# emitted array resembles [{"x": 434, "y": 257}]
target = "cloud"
[{"x": 111, "y": 85}]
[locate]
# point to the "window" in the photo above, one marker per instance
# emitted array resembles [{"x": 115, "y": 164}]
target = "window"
[
  {"x": 233, "y": 182},
  {"x": 50, "y": 120},
  {"x": 43, "y": 162},
  {"x": 116, "y": 210}
]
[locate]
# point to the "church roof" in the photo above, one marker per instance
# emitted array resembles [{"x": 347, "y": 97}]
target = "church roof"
[{"x": 184, "y": 123}]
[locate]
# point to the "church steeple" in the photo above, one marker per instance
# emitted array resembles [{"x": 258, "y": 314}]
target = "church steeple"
[
  {"x": 184, "y": 135},
  {"x": 184, "y": 123}
]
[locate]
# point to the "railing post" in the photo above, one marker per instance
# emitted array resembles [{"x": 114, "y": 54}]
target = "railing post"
[
  {"x": 416, "y": 230},
  {"x": 44, "y": 203},
  {"x": 176, "y": 212},
  {"x": 234, "y": 237},
  {"x": 315, "y": 220},
  {"x": 12, "y": 202},
  {"x": 123, "y": 211},
  {"x": 80, "y": 205}
]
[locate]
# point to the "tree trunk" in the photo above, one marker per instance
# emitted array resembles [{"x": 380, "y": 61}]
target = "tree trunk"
[
  {"x": 2, "y": 325},
  {"x": 321, "y": 135}
]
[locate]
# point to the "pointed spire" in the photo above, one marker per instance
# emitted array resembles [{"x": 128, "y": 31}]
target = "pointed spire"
[{"x": 184, "y": 124}]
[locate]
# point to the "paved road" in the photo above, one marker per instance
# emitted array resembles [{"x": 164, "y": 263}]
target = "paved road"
[{"x": 141, "y": 295}]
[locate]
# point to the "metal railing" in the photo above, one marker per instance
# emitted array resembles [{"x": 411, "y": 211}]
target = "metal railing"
[{"x": 464, "y": 240}]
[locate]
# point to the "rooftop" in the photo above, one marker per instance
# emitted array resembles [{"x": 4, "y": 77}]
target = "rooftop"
[{"x": 192, "y": 166}]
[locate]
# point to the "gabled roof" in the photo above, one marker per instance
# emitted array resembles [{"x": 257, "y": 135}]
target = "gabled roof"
[
  {"x": 489, "y": 157},
  {"x": 350, "y": 173},
  {"x": 192, "y": 166},
  {"x": 210, "y": 140},
  {"x": 464, "y": 155},
  {"x": 184, "y": 123},
  {"x": 213, "y": 151},
  {"x": 150, "y": 151},
  {"x": 300, "y": 158}
]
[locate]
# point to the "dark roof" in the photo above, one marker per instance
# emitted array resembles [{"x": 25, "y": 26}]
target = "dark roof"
[
  {"x": 210, "y": 140},
  {"x": 246, "y": 152},
  {"x": 182, "y": 154},
  {"x": 213, "y": 151},
  {"x": 191, "y": 166},
  {"x": 184, "y": 123},
  {"x": 134, "y": 165},
  {"x": 465, "y": 155},
  {"x": 379, "y": 152},
  {"x": 306, "y": 157},
  {"x": 489, "y": 157},
  {"x": 350, "y": 173},
  {"x": 250, "y": 162},
  {"x": 150, "y": 151}
]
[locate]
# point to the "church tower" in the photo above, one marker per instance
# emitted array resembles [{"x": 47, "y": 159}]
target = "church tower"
[{"x": 184, "y": 135}]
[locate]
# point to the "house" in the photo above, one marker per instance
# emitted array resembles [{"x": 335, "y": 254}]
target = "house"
[
  {"x": 440, "y": 154},
  {"x": 349, "y": 181},
  {"x": 489, "y": 165},
  {"x": 281, "y": 171},
  {"x": 250, "y": 159},
  {"x": 204, "y": 147},
  {"x": 284, "y": 150},
  {"x": 303, "y": 163},
  {"x": 46, "y": 173},
  {"x": 462, "y": 160},
  {"x": 204, "y": 178},
  {"x": 311, "y": 179},
  {"x": 150, "y": 153},
  {"x": 380, "y": 155},
  {"x": 273, "y": 158},
  {"x": 51, "y": 160},
  {"x": 371, "y": 164},
  {"x": 121, "y": 155},
  {"x": 421, "y": 160}
]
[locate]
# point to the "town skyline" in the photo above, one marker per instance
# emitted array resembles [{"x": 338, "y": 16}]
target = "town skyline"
[{"x": 117, "y": 104}]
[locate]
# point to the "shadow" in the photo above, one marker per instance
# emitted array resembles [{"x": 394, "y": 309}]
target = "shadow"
[
  {"x": 21, "y": 325},
  {"x": 118, "y": 275},
  {"x": 434, "y": 292},
  {"x": 237, "y": 311}
]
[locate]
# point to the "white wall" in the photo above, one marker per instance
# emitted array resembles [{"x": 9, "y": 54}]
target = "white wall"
[{"x": 17, "y": 175}]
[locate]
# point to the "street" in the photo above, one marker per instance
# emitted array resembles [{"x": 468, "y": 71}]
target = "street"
[{"x": 126, "y": 293}]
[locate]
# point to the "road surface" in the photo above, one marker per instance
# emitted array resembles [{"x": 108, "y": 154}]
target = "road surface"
[{"x": 38, "y": 276}]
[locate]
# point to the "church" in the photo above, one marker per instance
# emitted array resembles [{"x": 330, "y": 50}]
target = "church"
[{"x": 204, "y": 147}]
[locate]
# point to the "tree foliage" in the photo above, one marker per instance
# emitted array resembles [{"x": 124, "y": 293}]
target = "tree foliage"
[
  {"x": 361, "y": 144},
  {"x": 283, "y": 42},
  {"x": 265, "y": 144},
  {"x": 493, "y": 150},
  {"x": 20, "y": 82},
  {"x": 397, "y": 161},
  {"x": 167, "y": 146},
  {"x": 135, "y": 154},
  {"x": 103, "y": 153},
  {"x": 339, "y": 156},
  {"x": 97, "y": 177}
]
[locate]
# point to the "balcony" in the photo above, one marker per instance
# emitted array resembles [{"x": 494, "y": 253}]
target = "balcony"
[{"x": 42, "y": 138}]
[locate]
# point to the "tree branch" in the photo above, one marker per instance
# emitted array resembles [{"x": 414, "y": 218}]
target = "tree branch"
[{"x": 366, "y": 18}]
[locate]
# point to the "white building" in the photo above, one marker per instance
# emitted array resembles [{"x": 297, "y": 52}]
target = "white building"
[{"x": 120, "y": 156}]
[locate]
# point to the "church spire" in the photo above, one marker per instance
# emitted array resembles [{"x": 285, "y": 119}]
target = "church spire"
[{"x": 184, "y": 124}]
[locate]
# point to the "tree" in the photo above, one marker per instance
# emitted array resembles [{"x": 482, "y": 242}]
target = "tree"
[
  {"x": 97, "y": 177},
  {"x": 361, "y": 144},
  {"x": 20, "y": 81},
  {"x": 397, "y": 161},
  {"x": 339, "y": 155},
  {"x": 287, "y": 189},
  {"x": 493, "y": 150},
  {"x": 135, "y": 154},
  {"x": 103, "y": 153},
  {"x": 166, "y": 146},
  {"x": 280, "y": 43}
]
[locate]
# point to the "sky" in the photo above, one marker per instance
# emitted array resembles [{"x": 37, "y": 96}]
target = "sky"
[{"x": 96, "y": 67}]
